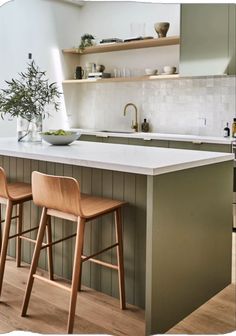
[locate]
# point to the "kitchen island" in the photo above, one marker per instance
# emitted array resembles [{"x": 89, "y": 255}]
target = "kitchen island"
[{"x": 177, "y": 226}]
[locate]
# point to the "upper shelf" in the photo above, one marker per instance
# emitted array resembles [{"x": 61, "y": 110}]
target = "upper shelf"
[{"x": 156, "y": 42}]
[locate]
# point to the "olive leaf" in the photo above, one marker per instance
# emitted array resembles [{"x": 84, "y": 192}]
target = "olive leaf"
[{"x": 28, "y": 96}]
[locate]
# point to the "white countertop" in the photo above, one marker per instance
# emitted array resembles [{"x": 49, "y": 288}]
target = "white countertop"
[
  {"x": 125, "y": 158},
  {"x": 160, "y": 136}
]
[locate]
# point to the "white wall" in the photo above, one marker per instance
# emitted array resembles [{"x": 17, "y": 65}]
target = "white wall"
[
  {"x": 42, "y": 27},
  {"x": 115, "y": 19}
]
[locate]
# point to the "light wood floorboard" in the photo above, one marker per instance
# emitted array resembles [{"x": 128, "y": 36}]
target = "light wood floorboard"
[{"x": 99, "y": 313}]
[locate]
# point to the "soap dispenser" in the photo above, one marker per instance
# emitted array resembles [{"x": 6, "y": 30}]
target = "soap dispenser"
[{"x": 145, "y": 126}]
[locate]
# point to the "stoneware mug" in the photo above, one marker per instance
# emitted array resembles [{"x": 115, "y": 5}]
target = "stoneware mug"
[{"x": 79, "y": 72}]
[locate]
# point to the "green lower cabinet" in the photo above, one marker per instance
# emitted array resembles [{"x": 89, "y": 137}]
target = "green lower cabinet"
[
  {"x": 181, "y": 145},
  {"x": 215, "y": 147},
  {"x": 151, "y": 143},
  {"x": 157, "y": 143},
  {"x": 94, "y": 138},
  {"x": 211, "y": 147},
  {"x": 116, "y": 140}
]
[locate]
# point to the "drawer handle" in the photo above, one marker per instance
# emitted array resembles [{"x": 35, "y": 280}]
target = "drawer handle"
[
  {"x": 197, "y": 142},
  {"x": 101, "y": 135}
]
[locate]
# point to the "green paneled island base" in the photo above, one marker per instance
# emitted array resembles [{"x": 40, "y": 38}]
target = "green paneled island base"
[{"x": 177, "y": 225}]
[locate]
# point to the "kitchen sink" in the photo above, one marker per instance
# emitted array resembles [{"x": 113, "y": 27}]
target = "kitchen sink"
[{"x": 109, "y": 131}]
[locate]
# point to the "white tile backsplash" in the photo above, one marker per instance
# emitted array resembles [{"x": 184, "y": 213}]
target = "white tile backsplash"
[{"x": 171, "y": 106}]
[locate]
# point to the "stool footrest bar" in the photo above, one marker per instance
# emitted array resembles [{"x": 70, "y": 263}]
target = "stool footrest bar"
[
  {"x": 14, "y": 217},
  {"x": 103, "y": 263},
  {"x": 30, "y": 240},
  {"x": 21, "y": 233},
  {"x": 58, "y": 241},
  {"x": 85, "y": 258}
]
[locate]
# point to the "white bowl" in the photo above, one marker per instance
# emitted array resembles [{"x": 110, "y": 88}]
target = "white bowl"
[
  {"x": 169, "y": 69},
  {"x": 60, "y": 140},
  {"x": 151, "y": 72}
]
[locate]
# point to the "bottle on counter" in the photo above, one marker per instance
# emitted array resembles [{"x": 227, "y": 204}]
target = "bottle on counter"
[
  {"x": 234, "y": 128},
  {"x": 145, "y": 126},
  {"x": 226, "y": 131}
]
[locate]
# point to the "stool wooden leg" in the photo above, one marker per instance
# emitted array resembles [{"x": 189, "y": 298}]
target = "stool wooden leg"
[
  {"x": 49, "y": 250},
  {"x": 81, "y": 266},
  {"x": 19, "y": 230},
  {"x": 120, "y": 257},
  {"x": 6, "y": 232},
  {"x": 76, "y": 273},
  {"x": 34, "y": 264}
]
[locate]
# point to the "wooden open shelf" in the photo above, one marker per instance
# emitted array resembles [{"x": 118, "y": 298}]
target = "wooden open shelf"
[
  {"x": 156, "y": 42},
  {"x": 120, "y": 79}
]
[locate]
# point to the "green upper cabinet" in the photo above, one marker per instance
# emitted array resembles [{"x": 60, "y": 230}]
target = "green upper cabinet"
[
  {"x": 207, "y": 39},
  {"x": 232, "y": 39}
]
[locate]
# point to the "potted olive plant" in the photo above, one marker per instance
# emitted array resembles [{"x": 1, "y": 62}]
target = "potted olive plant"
[
  {"x": 87, "y": 40},
  {"x": 26, "y": 99}
]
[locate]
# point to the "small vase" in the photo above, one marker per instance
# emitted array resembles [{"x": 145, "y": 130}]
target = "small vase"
[
  {"x": 162, "y": 28},
  {"x": 29, "y": 131}
]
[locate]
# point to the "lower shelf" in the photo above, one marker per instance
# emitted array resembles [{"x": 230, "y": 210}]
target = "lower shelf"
[{"x": 120, "y": 79}]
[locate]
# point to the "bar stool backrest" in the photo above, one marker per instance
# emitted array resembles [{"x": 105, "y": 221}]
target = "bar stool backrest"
[
  {"x": 3, "y": 184},
  {"x": 57, "y": 193}
]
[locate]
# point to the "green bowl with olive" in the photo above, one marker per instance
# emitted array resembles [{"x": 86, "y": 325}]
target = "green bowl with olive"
[{"x": 60, "y": 137}]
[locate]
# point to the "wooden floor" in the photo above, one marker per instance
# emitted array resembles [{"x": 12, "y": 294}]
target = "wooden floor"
[{"x": 98, "y": 313}]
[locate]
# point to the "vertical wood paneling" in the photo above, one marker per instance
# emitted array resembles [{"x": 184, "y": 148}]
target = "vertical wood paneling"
[
  {"x": 106, "y": 273},
  {"x": 129, "y": 229},
  {"x": 86, "y": 187},
  {"x": 77, "y": 174},
  {"x": 140, "y": 240},
  {"x": 96, "y": 231},
  {"x": 6, "y": 166},
  {"x": 12, "y": 242},
  {"x": 58, "y": 258},
  {"x": 26, "y": 250},
  {"x": 35, "y": 211},
  {"x": 50, "y": 170},
  {"x": 118, "y": 193},
  {"x": 42, "y": 259},
  {"x": 98, "y": 234},
  {"x": 67, "y": 244}
]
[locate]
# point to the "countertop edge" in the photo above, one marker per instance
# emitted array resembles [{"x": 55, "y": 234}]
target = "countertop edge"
[{"x": 102, "y": 163}]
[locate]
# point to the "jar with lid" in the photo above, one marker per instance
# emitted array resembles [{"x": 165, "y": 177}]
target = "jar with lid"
[{"x": 145, "y": 126}]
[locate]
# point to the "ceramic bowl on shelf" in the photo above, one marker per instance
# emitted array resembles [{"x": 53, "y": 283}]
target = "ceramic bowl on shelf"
[
  {"x": 151, "y": 72},
  {"x": 169, "y": 70},
  {"x": 60, "y": 138}
]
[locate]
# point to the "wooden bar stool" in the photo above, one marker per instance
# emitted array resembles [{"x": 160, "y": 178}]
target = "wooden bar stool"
[
  {"x": 60, "y": 197},
  {"x": 12, "y": 194}
]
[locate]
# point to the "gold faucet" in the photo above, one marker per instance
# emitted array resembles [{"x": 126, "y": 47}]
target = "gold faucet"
[{"x": 134, "y": 125}]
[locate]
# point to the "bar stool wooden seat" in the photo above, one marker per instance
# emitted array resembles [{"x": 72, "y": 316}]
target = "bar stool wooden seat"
[
  {"x": 60, "y": 197},
  {"x": 15, "y": 194}
]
